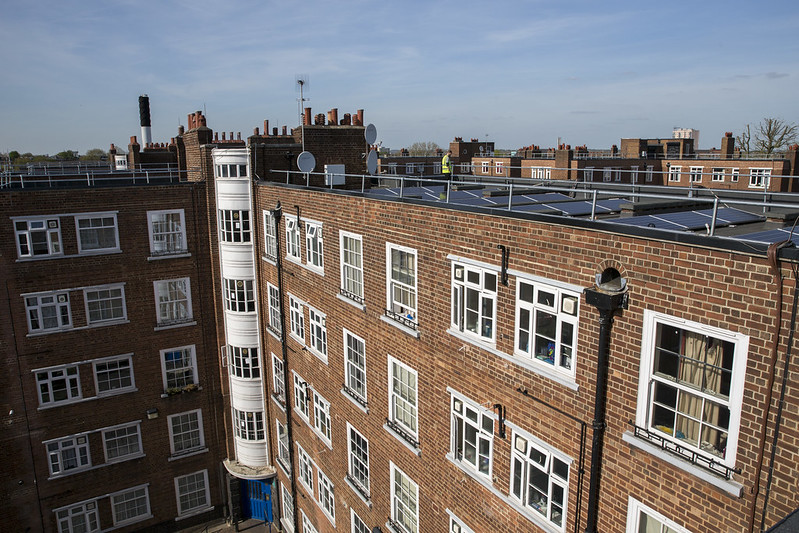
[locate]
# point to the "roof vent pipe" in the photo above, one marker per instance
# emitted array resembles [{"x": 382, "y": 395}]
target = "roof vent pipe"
[{"x": 144, "y": 119}]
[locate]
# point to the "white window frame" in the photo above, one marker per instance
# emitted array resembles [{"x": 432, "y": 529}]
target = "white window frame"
[
  {"x": 650, "y": 172},
  {"x": 102, "y": 304},
  {"x": 275, "y": 324},
  {"x": 283, "y": 445},
  {"x": 239, "y": 295},
  {"x": 696, "y": 174},
  {"x": 297, "y": 318},
  {"x": 565, "y": 307},
  {"x": 404, "y": 306},
  {"x": 314, "y": 246},
  {"x": 69, "y": 374},
  {"x": 327, "y": 497},
  {"x": 135, "y": 495},
  {"x": 357, "y": 525},
  {"x": 301, "y": 391},
  {"x": 234, "y": 226},
  {"x": 173, "y": 301},
  {"x": 292, "y": 232},
  {"x": 194, "y": 478},
  {"x": 456, "y": 525},
  {"x": 588, "y": 174},
  {"x": 232, "y": 170},
  {"x": 392, "y": 168},
  {"x": 186, "y": 374},
  {"x": 471, "y": 280},
  {"x": 270, "y": 235},
  {"x": 287, "y": 506},
  {"x": 466, "y": 414},
  {"x": 675, "y": 173},
  {"x": 322, "y": 421},
  {"x": 403, "y": 399},
  {"x": 404, "y": 501},
  {"x": 358, "y": 460},
  {"x": 249, "y": 425},
  {"x": 63, "y": 452},
  {"x": 355, "y": 365},
  {"x": 648, "y": 378},
  {"x": 759, "y": 178},
  {"x": 49, "y": 226},
  {"x": 734, "y": 173},
  {"x": 117, "y": 438},
  {"x": 167, "y": 232},
  {"x": 634, "y": 173},
  {"x": 528, "y": 453},
  {"x": 55, "y": 304},
  {"x": 307, "y": 525},
  {"x": 499, "y": 168},
  {"x": 65, "y": 517},
  {"x": 87, "y": 245},
  {"x": 607, "y": 173},
  {"x": 717, "y": 174},
  {"x": 278, "y": 385},
  {"x": 317, "y": 327},
  {"x": 189, "y": 426},
  {"x": 352, "y": 279},
  {"x": 305, "y": 468},
  {"x": 118, "y": 369},
  {"x": 634, "y": 511},
  {"x": 244, "y": 362}
]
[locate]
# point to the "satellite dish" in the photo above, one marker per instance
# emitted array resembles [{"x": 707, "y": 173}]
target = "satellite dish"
[
  {"x": 371, "y": 161},
  {"x": 306, "y": 162},
  {"x": 370, "y": 134}
]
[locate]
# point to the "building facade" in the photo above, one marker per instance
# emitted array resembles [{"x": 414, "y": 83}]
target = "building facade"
[{"x": 354, "y": 359}]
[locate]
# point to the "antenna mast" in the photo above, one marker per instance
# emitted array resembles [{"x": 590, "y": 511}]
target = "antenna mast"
[{"x": 302, "y": 81}]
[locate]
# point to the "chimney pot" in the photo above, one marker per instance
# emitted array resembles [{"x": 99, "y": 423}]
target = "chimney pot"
[
  {"x": 285, "y": 128},
  {"x": 181, "y": 130},
  {"x": 306, "y": 118},
  {"x": 223, "y": 136},
  {"x": 332, "y": 116},
  {"x": 274, "y": 131},
  {"x": 266, "y": 127},
  {"x": 359, "y": 120},
  {"x": 133, "y": 140},
  {"x": 256, "y": 131}
]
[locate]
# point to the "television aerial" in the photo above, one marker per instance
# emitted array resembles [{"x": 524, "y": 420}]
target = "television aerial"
[{"x": 301, "y": 85}]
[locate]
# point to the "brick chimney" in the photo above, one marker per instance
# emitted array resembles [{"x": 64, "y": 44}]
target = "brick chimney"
[
  {"x": 727, "y": 145},
  {"x": 306, "y": 118}
]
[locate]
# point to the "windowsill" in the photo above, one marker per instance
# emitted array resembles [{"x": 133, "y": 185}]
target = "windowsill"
[
  {"x": 480, "y": 478},
  {"x": 114, "y": 461},
  {"x": 116, "y": 392},
  {"x": 135, "y": 520},
  {"x": 176, "y": 325},
  {"x": 271, "y": 260},
  {"x": 274, "y": 333},
  {"x": 169, "y": 256},
  {"x": 313, "y": 268},
  {"x": 352, "y": 302},
  {"x": 281, "y": 405},
  {"x": 416, "y": 451},
  {"x": 324, "y": 439},
  {"x": 194, "y": 513},
  {"x": 296, "y": 260},
  {"x": 402, "y": 327},
  {"x": 78, "y": 328},
  {"x": 105, "y": 251},
  {"x": 187, "y": 454},
  {"x": 524, "y": 363},
  {"x": 485, "y": 483},
  {"x": 286, "y": 470},
  {"x": 167, "y": 395},
  {"x": 302, "y": 417},
  {"x": 727, "y": 485},
  {"x": 319, "y": 355},
  {"x": 357, "y": 490},
  {"x": 357, "y": 401},
  {"x": 287, "y": 526}
]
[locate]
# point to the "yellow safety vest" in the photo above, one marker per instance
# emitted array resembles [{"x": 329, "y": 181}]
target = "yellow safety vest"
[{"x": 446, "y": 165}]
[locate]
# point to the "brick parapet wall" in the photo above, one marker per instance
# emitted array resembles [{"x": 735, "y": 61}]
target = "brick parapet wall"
[{"x": 714, "y": 287}]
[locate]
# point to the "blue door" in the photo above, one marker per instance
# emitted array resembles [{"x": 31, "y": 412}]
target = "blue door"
[{"x": 256, "y": 500}]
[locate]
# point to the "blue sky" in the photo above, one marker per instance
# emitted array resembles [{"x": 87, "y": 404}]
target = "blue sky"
[{"x": 516, "y": 73}]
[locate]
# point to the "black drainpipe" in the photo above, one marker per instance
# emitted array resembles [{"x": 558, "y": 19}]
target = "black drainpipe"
[
  {"x": 608, "y": 297},
  {"x": 277, "y": 213}
]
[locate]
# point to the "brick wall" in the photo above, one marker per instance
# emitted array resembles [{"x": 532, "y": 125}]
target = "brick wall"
[{"x": 706, "y": 284}]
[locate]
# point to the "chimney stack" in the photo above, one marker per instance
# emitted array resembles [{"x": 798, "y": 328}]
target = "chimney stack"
[
  {"x": 144, "y": 119},
  {"x": 727, "y": 145},
  {"x": 306, "y": 118}
]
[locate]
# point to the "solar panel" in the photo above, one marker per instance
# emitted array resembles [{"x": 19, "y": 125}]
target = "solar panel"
[{"x": 771, "y": 236}]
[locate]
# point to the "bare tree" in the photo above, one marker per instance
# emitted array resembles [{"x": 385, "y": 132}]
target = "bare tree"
[
  {"x": 423, "y": 148},
  {"x": 768, "y": 136}
]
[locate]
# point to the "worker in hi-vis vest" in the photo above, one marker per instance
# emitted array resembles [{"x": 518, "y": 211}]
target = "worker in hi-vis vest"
[{"x": 446, "y": 164}]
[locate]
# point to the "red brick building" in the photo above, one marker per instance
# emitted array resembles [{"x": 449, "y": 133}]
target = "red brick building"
[{"x": 418, "y": 360}]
